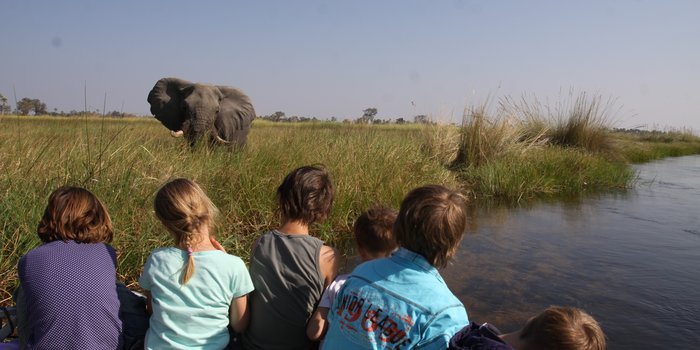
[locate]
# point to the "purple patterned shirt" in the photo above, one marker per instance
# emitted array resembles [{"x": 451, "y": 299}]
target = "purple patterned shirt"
[{"x": 71, "y": 296}]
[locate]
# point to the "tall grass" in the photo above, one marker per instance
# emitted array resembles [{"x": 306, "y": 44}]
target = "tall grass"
[
  {"x": 368, "y": 164},
  {"x": 580, "y": 120},
  {"x": 125, "y": 161},
  {"x": 525, "y": 149}
]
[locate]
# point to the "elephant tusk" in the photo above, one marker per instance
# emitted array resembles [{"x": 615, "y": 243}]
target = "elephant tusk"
[
  {"x": 176, "y": 133},
  {"x": 220, "y": 140}
]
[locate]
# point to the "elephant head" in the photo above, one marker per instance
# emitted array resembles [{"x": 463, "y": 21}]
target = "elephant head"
[{"x": 218, "y": 114}]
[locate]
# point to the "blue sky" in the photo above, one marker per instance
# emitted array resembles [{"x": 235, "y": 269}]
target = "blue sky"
[{"x": 335, "y": 58}]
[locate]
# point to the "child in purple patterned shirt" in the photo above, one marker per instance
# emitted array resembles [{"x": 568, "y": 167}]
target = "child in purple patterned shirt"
[{"x": 68, "y": 284}]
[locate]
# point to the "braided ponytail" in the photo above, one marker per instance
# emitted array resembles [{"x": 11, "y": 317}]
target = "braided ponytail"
[
  {"x": 188, "y": 270},
  {"x": 183, "y": 208}
]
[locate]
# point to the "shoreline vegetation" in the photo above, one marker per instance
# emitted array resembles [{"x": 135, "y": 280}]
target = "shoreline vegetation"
[{"x": 518, "y": 152}]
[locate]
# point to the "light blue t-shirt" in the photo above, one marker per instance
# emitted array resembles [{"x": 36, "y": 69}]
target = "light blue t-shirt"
[
  {"x": 194, "y": 315},
  {"x": 399, "y": 302}
]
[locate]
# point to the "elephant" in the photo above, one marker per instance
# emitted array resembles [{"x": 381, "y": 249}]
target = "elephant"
[{"x": 221, "y": 114}]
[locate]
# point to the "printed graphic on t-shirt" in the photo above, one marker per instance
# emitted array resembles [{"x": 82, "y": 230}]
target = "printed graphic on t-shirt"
[{"x": 366, "y": 320}]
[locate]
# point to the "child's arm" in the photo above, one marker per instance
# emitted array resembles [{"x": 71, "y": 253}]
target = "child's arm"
[
  {"x": 149, "y": 300},
  {"x": 23, "y": 330},
  {"x": 318, "y": 324},
  {"x": 329, "y": 264},
  {"x": 239, "y": 314}
]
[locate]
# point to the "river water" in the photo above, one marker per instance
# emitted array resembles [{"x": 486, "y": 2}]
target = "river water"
[{"x": 632, "y": 260}]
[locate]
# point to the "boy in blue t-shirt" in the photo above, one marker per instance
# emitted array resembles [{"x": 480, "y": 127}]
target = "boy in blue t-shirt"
[
  {"x": 374, "y": 240},
  {"x": 402, "y": 302}
]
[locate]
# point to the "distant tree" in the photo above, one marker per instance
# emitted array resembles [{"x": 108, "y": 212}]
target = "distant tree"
[
  {"x": 277, "y": 116},
  {"x": 421, "y": 119},
  {"x": 39, "y": 107},
  {"x": 400, "y": 121},
  {"x": 4, "y": 106},
  {"x": 334, "y": 119},
  {"x": 25, "y": 105}
]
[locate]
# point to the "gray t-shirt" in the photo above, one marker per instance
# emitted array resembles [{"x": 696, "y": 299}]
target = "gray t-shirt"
[{"x": 288, "y": 284}]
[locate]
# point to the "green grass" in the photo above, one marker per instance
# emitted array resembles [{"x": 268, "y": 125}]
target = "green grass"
[
  {"x": 644, "y": 146},
  {"x": 546, "y": 172},
  {"x": 125, "y": 161}
]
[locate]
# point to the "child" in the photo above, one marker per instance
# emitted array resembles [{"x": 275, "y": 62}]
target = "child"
[
  {"x": 374, "y": 240},
  {"x": 192, "y": 286},
  {"x": 402, "y": 302},
  {"x": 68, "y": 284},
  {"x": 289, "y": 267},
  {"x": 556, "y": 328}
]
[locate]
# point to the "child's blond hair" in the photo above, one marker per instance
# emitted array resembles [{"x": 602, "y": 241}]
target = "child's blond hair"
[
  {"x": 562, "y": 328},
  {"x": 184, "y": 209}
]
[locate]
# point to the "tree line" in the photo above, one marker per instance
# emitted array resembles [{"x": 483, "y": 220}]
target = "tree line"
[
  {"x": 369, "y": 116},
  {"x": 34, "y": 106}
]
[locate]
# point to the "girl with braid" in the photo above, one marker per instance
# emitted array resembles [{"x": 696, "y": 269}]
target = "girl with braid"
[{"x": 195, "y": 290}]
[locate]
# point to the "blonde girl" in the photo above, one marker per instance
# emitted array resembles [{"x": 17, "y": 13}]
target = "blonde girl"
[{"x": 195, "y": 290}]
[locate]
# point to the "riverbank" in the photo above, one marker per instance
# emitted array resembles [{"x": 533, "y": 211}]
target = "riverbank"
[{"x": 125, "y": 161}]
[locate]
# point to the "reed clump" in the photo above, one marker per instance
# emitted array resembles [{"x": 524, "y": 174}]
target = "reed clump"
[{"x": 525, "y": 149}]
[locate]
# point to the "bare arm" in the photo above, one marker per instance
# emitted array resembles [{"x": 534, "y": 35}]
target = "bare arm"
[
  {"x": 329, "y": 264},
  {"x": 318, "y": 324},
  {"x": 239, "y": 314}
]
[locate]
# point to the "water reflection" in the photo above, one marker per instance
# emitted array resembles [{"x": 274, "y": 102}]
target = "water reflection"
[{"x": 629, "y": 259}]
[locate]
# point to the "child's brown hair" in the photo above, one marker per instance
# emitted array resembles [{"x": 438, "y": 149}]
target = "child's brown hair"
[
  {"x": 431, "y": 222},
  {"x": 305, "y": 195},
  {"x": 74, "y": 213},
  {"x": 562, "y": 328},
  {"x": 183, "y": 208},
  {"x": 373, "y": 231}
]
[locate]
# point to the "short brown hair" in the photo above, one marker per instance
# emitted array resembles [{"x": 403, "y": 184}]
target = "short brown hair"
[
  {"x": 74, "y": 213},
  {"x": 373, "y": 230},
  {"x": 431, "y": 222},
  {"x": 305, "y": 195},
  {"x": 563, "y": 328}
]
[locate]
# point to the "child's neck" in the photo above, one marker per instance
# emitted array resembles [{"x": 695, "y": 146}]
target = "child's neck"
[
  {"x": 294, "y": 228},
  {"x": 203, "y": 243}
]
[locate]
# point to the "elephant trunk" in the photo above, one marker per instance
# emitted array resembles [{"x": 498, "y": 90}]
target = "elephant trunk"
[{"x": 201, "y": 125}]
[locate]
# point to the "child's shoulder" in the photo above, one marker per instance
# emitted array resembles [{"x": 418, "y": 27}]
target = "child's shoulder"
[
  {"x": 165, "y": 251},
  {"x": 70, "y": 246},
  {"x": 223, "y": 257}
]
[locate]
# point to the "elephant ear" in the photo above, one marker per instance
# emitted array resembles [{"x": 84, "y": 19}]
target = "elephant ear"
[
  {"x": 166, "y": 102},
  {"x": 236, "y": 102}
]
